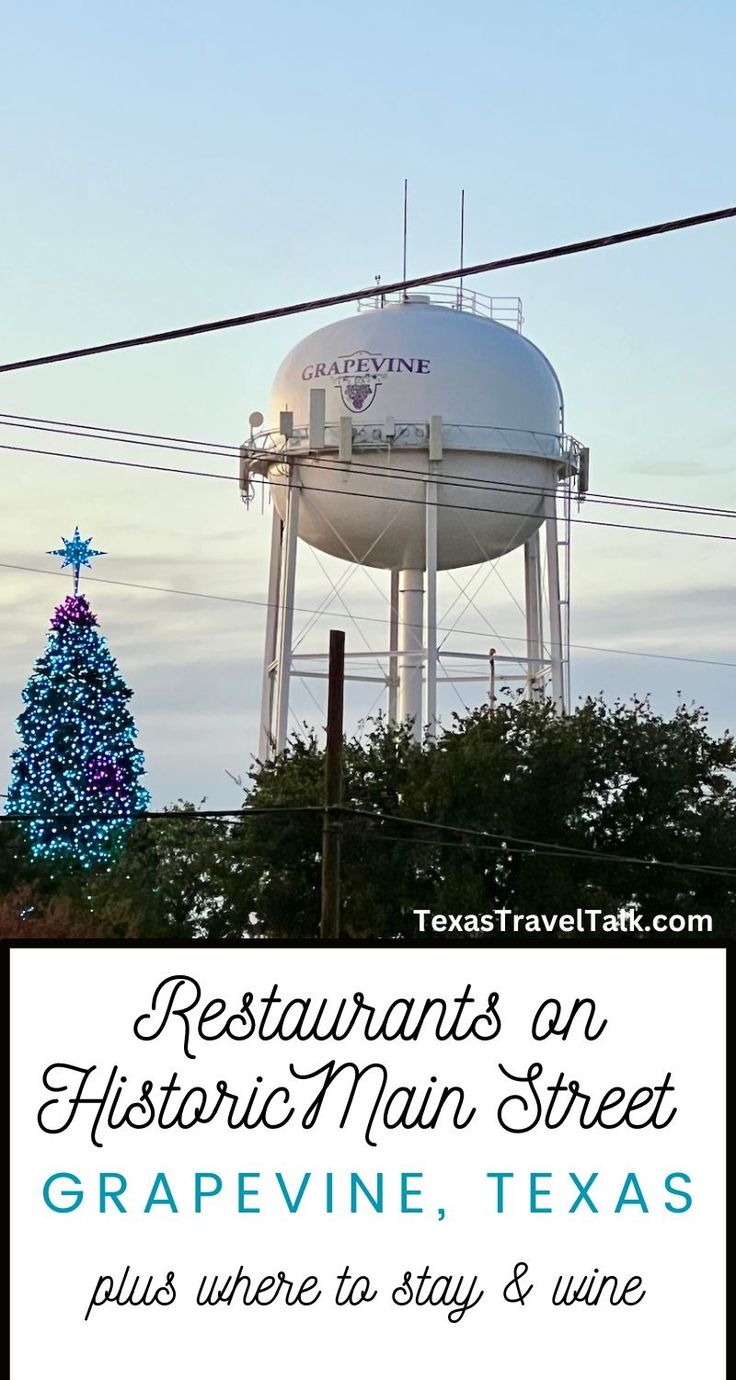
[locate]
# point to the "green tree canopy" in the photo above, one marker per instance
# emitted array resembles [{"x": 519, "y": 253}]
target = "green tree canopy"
[
  {"x": 565, "y": 799},
  {"x": 610, "y": 806}
]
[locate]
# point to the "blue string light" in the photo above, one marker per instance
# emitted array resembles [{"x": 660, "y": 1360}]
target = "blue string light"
[{"x": 76, "y": 774}]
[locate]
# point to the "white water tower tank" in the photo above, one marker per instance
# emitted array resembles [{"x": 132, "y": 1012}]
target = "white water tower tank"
[
  {"x": 389, "y": 370},
  {"x": 417, "y": 435}
]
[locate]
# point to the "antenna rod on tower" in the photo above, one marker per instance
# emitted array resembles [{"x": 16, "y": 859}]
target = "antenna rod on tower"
[
  {"x": 406, "y": 207},
  {"x": 462, "y": 246}
]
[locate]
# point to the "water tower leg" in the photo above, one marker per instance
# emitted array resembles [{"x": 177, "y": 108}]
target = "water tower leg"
[
  {"x": 431, "y": 550},
  {"x": 533, "y": 603},
  {"x": 435, "y": 453},
  {"x": 266, "y": 738},
  {"x": 393, "y": 646},
  {"x": 286, "y": 611},
  {"x": 411, "y": 629},
  {"x": 555, "y": 610}
]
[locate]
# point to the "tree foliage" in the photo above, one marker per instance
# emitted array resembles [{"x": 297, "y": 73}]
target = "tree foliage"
[
  {"x": 75, "y": 780},
  {"x": 588, "y": 810},
  {"x": 566, "y": 799}
]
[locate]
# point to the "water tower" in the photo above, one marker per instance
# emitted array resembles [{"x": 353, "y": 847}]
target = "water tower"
[{"x": 420, "y": 435}]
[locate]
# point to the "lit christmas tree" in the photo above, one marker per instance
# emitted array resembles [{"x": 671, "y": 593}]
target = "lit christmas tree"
[{"x": 76, "y": 775}]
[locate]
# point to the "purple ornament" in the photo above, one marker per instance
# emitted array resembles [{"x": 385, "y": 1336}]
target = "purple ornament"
[
  {"x": 106, "y": 775},
  {"x": 74, "y": 611}
]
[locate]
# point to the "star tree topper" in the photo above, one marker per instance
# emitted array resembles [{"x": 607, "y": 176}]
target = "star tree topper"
[{"x": 76, "y": 552}]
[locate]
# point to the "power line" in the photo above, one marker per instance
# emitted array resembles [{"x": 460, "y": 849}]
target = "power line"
[
  {"x": 356, "y": 493},
  {"x": 283, "y": 810},
  {"x": 371, "y": 471},
  {"x": 489, "y": 841},
  {"x": 552, "y": 849},
  {"x": 117, "y": 433},
  {"x": 403, "y": 285},
  {"x": 358, "y": 617},
  {"x": 514, "y": 850},
  {"x": 221, "y": 449}
]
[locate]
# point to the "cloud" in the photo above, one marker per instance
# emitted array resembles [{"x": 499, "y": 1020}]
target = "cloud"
[
  {"x": 688, "y": 469},
  {"x": 643, "y": 615}
]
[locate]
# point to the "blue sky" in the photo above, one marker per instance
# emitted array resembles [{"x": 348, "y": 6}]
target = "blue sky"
[{"x": 165, "y": 163}]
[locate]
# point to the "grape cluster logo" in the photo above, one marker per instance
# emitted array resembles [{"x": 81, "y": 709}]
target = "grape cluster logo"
[{"x": 359, "y": 377}]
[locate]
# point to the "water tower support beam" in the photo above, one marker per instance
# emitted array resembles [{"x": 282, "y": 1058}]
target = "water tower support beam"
[
  {"x": 555, "y": 610},
  {"x": 393, "y": 649},
  {"x": 435, "y": 456},
  {"x": 431, "y": 717},
  {"x": 411, "y": 626},
  {"x": 533, "y": 609},
  {"x": 286, "y": 610},
  {"x": 266, "y": 738}
]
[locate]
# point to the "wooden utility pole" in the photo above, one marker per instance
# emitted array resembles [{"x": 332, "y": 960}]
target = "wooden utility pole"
[{"x": 332, "y": 820}]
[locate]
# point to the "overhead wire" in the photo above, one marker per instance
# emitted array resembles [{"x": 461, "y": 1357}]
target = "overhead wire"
[
  {"x": 222, "y": 450},
  {"x": 552, "y": 849},
  {"x": 283, "y": 810},
  {"x": 519, "y": 850},
  {"x": 402, "y": 285},
  {"x": 482, "y": 839},
  {"x": 356, "y": 493},
  {"x": 363, "y": 618}
]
